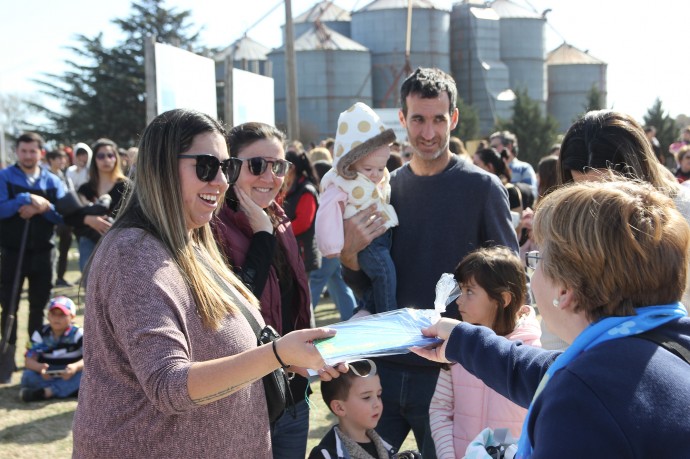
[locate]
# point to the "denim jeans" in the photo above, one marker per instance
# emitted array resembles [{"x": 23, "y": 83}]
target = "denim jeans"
[
  {"x": 376, "y": 262},
  {"x": 289, "y": 435},
  {"x": 59, "y": 387},
  {"x": 407, "y": 392},
  {"x": 86, "y": 247},
  {"x": 330, "y": 275}
]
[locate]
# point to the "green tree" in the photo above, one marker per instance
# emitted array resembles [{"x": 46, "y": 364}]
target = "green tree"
[
  {"x": 595, "y": 99},
  {"x": 536, "y": 133},
  {"x": 666, "y": 131},
  {"x": 468, "y": 122},
  {"x": 104, "y": 95}
]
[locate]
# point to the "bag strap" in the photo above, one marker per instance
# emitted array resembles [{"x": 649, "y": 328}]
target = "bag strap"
[
  {"x": 667, "y": 343},
  {"x": 250, "y": 318},
  {"x": 247, "y": 315}
]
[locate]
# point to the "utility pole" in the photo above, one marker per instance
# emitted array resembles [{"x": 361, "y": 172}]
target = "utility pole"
[
  {"x": 228, "y": 99},
  {"x": 291, "y": 75},
  {"x": 150, "y": 77}
]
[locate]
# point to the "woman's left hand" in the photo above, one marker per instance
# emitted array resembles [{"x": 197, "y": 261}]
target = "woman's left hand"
[
  {"x": 441, "y": 329},
  {"x": 297, "y": 348},
  {"x": 258, "y": 218}
]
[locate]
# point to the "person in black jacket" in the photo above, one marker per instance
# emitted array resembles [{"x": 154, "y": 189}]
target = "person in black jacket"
[{"x": 27, "y": 197}]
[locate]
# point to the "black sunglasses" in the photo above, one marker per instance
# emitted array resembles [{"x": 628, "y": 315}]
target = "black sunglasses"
[
  {"x": 258, "y": 166},
  {"x": 207, "y": 167}
]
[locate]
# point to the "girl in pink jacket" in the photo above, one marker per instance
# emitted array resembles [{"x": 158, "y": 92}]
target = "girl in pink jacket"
[{"x": 493, "y": 292}]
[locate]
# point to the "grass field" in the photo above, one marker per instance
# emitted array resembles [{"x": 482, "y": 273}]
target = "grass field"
[{"x": 44, "y": 429}]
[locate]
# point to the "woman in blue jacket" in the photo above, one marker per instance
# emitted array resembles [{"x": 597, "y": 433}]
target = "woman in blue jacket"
[{"x": 608, "y": 280}]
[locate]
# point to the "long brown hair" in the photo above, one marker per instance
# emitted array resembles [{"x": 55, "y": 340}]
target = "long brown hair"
[
  {"x": 116, "y": 174},
  {"x": 497, "y": 270},
  {"x": 156, "y": 205}
]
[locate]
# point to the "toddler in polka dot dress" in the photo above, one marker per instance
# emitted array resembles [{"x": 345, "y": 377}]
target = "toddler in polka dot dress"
[{"x": 358, "y": 179}]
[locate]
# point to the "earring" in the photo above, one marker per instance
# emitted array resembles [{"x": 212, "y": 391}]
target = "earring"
[{"x": 556, "y": 303}]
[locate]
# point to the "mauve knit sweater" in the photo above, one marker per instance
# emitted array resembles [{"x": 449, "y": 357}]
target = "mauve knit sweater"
[{"x": 142, "y": 334}]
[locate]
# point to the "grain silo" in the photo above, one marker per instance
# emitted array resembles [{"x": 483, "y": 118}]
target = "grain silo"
[
  {"x": 332, "y": 74},
  {"x": 246, "y": 54},
  {"x": 328, "y": 14},
  {"x": 572, "y": 74},
  {"x": 523, "y": 48},
  {"x": 482, "y": 78},
  {"x": 381, "y": 27}
]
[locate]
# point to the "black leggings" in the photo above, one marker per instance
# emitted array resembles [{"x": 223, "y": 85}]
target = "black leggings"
[{"x": 38, "y": 268}]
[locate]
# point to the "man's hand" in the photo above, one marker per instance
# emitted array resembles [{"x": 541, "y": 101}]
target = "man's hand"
[
  {"x": 41, "y": 203},
  {"x": 28, "y": 210},
  {"x": 360, "y": 229}
]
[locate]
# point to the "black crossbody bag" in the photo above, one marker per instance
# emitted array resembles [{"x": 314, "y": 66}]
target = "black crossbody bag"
[{"x": 276, "y": 384}]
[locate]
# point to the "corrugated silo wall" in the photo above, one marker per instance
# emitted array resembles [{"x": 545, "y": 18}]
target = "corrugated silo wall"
[
  {"x": 330, "y": 81},
  {"x": 474, "y": 41},
  {"x": 342, "y": 27},
  {"x": 383, "y": 33},
  {"x": 568, "y": 89},
  {"x": 523, "y": 51}
]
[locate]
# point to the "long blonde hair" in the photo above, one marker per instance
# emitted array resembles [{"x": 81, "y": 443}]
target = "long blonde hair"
[{"x": 155, "y": 204}]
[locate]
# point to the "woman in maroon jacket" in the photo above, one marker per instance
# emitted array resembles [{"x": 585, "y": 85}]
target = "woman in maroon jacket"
[{"x": 257, "y": 238}]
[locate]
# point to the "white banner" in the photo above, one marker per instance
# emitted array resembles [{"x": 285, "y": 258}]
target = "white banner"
[{"x": 184, "y": 80}]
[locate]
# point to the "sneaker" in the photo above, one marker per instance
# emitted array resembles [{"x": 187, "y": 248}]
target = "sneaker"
[
  {"x": 31, "y": 395},
  {"x": 63, "y": 283}
]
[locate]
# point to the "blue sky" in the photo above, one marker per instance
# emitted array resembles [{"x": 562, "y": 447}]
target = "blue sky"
[{"x": 646, "y": 47}]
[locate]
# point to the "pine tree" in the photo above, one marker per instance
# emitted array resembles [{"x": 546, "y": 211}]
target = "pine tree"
[
  {"x": 535, "y": 132},
  {"x": 666, "y": 131},
  {"x": 105, "y": 93},
  {"x": 595, "y": 99},
  {"x": 468, "y": 122}
]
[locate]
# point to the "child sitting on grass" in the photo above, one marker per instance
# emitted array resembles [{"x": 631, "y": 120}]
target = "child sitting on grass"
[{"x": 54, "y": 362}]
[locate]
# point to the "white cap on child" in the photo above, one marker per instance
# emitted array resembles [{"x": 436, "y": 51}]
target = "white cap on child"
[{"x": 360, "y": 132}]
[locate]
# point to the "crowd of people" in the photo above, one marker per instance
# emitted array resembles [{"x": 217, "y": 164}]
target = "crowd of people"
[{"x": 189, "y": 240}]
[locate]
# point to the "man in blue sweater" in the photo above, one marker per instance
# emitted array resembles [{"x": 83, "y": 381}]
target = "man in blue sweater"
[
  {"x": 27, "y": 196},
  {"x": 447, "y": 207}
]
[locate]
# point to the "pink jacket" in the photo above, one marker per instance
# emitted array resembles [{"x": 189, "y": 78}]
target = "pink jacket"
[
  {"x": 341, "y": 199},
  {"x": 462, "y": 405}
]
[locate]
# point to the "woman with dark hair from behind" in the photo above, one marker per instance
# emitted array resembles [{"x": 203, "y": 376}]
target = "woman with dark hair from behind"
[
  {"x": 606, "y": 143},
  {"x": 258, "y": 241},
  {"x": 171, "y": 362},
  {"x": 492, "y": 161}
]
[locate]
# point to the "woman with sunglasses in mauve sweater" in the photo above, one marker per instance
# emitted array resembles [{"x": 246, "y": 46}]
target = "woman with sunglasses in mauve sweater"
[
  {"x": 257, "y": 239},
  {"x": 172, "y": 367}
]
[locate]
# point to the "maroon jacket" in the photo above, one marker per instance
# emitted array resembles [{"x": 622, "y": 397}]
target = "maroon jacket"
[{"x": 234, "y": 235}]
